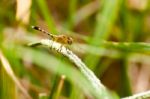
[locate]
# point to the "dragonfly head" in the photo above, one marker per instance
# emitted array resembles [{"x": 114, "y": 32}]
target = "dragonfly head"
[{"x": 69, "y": 40}]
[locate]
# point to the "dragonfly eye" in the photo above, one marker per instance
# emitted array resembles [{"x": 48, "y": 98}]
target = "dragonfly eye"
[{"x": 70, "y": 41}]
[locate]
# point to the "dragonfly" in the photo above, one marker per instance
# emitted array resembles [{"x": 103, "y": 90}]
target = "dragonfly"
[{"x": 63, "y": 39}]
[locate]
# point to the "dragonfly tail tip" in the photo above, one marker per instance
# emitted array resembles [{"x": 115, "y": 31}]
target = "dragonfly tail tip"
[{"x": 35, "y": 27}]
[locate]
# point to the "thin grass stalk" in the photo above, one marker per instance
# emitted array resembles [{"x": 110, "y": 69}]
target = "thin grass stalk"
[
  {"x": 60, "y": 86},
  {"x": 47, "y": 16}
]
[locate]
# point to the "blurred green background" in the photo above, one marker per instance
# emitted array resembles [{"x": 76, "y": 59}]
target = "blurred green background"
[{"x": 111, "y": 36}]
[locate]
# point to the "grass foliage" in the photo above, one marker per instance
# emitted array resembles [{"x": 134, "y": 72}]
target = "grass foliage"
[{"x": 106, "y": 33}]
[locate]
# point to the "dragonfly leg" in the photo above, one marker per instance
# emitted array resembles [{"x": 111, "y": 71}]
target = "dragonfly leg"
[
  {"x": 51, "y": 45},
  {"x": 60, "y": 48}
]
